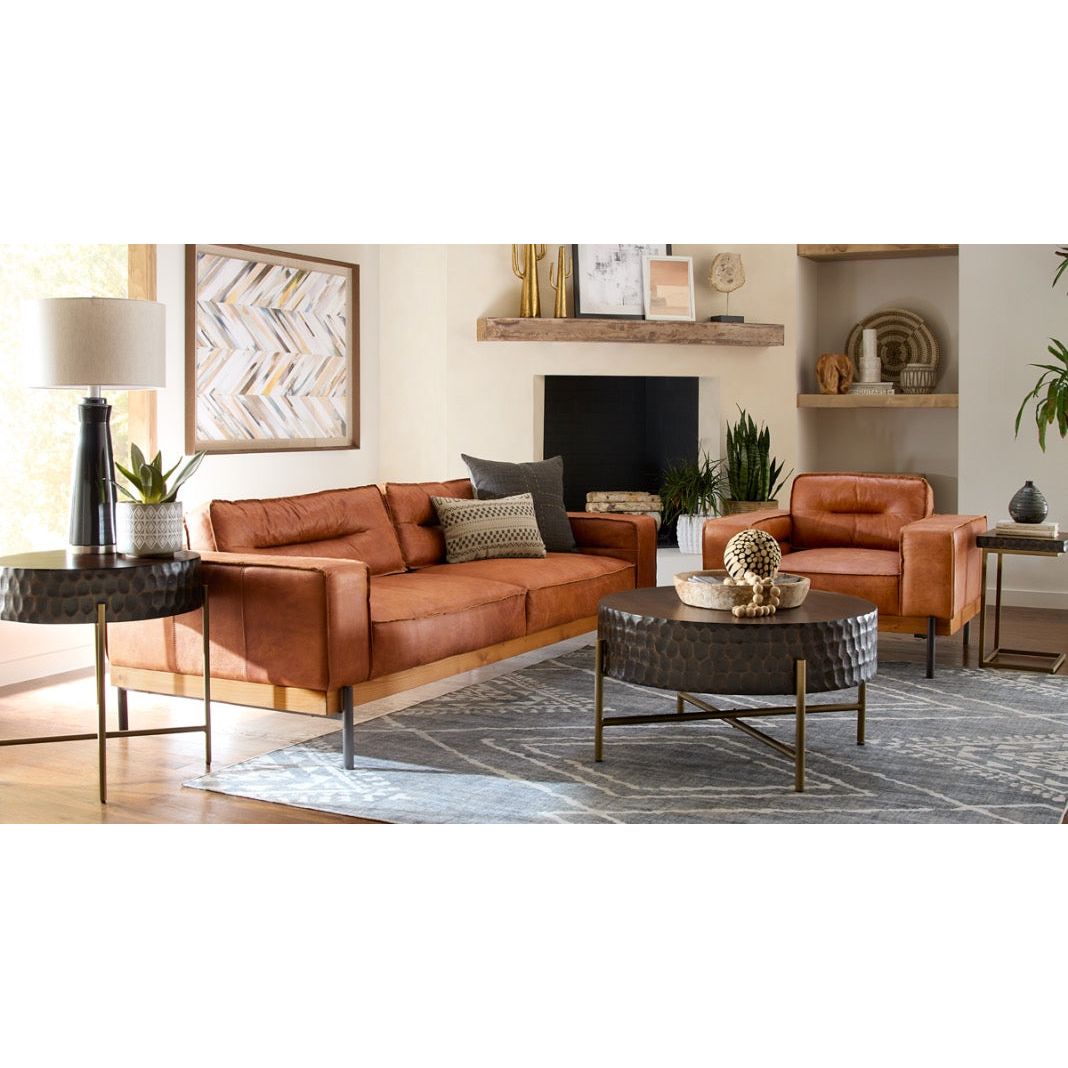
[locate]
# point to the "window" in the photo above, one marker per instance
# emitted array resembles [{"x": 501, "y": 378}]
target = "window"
[{"x": 39, "y": 425}]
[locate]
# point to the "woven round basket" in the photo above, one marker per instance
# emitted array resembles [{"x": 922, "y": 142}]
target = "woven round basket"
[{"x": 903, "y": 338}]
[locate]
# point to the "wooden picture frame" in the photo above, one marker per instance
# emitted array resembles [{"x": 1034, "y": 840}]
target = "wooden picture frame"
[
  {"x": 272, "y": 342},
  {"x": 614, "y": 284},
  {"x": 667, "y": 289}
]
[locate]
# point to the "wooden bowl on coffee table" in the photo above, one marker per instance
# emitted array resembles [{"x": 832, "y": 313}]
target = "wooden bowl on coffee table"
[{"x": 705, "y": 589}]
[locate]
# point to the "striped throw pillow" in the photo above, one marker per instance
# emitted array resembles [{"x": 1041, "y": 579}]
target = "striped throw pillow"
[{"x": 486, "y": 530}]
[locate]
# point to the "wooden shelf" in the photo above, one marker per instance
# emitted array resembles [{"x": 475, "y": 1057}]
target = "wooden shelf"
[
  {"x": 876, "y": 400},
  {"x": 644, "y": 331},
  {"x": 872, "y": 252}
]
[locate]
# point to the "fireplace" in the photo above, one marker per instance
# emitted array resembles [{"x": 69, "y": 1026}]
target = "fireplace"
[{"x": 619, "y": 432}]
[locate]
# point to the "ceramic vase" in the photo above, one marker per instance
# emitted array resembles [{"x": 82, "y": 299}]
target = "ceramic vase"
[
  {"x": 1028, "y": 505},
  {"x": 149, "y": 529},
  {"x": 689, "y": 530}
]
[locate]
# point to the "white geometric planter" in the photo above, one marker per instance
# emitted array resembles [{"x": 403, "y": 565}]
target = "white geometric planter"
[
  {"x": 689, "y": 530},
  {"x": 149, "y": 529}
]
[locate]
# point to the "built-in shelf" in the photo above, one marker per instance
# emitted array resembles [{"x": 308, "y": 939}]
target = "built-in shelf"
[
  {"x": 877, "y": 400},
  {"x": 872, "y": 252},
  {"x": 650, "y": 332}
]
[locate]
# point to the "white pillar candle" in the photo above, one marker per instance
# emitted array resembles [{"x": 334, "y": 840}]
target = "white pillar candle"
[{"x": 871, "y": 344}]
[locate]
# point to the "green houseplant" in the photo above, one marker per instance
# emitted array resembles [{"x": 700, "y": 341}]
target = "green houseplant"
[
  {"x": 755, "y": 476},
  {"x": 1050, "y": 394},
  {"x": 149, "y": 522},
  {"x": 690, "y": 492}
]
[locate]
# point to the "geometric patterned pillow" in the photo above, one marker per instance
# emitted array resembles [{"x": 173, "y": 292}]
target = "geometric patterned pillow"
[{"x": 487, "y": 530}]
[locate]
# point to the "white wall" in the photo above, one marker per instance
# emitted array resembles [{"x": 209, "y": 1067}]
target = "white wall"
[{"x": 1008, "y": 310}]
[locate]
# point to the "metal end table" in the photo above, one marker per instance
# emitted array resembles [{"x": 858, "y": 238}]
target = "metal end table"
[
  {"x": 61, "y": 587},
  {"x": 1005, "y": 545}
]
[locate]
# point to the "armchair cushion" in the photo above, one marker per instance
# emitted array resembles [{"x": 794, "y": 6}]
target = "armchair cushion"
[
  {"x": 859, "y": 510},
  {"x": 874, "y": 574}
]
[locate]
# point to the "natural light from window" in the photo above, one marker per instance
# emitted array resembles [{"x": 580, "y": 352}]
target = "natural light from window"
[{"x": 40, "y": 424}]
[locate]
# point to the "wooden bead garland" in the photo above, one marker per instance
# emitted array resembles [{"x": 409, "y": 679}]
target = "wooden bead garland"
[{"x": 752, "y": 558}]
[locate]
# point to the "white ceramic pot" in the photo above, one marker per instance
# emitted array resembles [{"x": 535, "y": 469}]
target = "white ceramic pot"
[
  {"x": 149, "y": 529},
  {"x": 689, "y": 531}
]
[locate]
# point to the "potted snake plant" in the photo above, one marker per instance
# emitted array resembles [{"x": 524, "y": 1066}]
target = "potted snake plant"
[
  {"x": 755, "y": 476},
  {"x": 149, "y": 522}
]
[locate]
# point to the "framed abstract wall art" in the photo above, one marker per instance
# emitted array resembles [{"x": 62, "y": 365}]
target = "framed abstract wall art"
[
  {"x": 669, "y": 288},
  {"x": 608, "y": 279},
  {"x": 272, "y": 350}
]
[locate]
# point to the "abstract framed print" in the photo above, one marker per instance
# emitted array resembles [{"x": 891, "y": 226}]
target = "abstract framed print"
[
  {"x": 272, "y": 350},
  {"x": 668, "y": 288},
  {"x": 608, "y": 279}
]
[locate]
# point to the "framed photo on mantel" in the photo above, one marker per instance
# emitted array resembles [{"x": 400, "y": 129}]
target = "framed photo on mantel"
[
  {"x": 272, "y": 350},
  {"x": 608, "y": 280}
]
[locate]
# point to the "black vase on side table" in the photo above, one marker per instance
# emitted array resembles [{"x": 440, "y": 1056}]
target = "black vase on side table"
[{"x": 1028, "y": 505}]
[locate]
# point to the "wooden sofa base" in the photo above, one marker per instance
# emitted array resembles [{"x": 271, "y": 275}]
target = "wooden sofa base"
[{"x": 329, "y": 702}]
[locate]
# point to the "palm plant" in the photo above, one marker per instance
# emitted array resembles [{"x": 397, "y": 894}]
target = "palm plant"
[
  {"x": 150, "y": 482},
  {"x": 1051, "y": 390},
  {"x": 693, "y": 487},
  {"x": 754, "y": 474}
]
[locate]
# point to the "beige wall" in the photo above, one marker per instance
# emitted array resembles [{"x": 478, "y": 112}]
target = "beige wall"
[
  {"x": 491, "y": 405},
  {"x": 1008, "y": 310},
  {"x": 835, "y": 296}
]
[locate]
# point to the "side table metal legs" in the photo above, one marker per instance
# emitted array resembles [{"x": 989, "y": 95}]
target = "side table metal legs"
[
  {"x": 732, "y": 716},
  {"x": 1053, "y": 660},
  {"x": 101, "y": 705}
]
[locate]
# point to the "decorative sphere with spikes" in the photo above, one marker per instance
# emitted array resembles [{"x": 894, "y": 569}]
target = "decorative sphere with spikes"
[{"x": 752, "y": 550}]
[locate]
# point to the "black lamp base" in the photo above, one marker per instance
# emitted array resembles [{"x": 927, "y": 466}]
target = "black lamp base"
[{"x": 92, "y": 505}]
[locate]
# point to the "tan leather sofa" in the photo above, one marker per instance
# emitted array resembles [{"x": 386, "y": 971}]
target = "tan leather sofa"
[
  {"x": 876, "y": 537},
  {"x": 325, "y": 600}
]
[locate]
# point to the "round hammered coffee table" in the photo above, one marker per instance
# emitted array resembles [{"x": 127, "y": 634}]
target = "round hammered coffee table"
[{"x": 650, "y": 638}]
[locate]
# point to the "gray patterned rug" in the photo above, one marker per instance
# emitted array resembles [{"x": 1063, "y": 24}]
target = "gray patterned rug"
[{"x": 969, "y": 746}]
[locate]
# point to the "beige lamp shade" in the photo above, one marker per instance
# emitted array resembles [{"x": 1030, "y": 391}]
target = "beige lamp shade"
[{"x": 95, "y": 341}]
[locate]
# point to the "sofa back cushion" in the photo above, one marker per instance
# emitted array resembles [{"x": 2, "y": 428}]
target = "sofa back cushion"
[
  {"x": 859, "y": 510},
  {"x": 415, "y": 520},
  {"x": 345, "y": 524}
]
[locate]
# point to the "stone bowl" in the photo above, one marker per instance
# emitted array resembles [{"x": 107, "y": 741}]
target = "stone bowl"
[{"x": 705, "y": 589}]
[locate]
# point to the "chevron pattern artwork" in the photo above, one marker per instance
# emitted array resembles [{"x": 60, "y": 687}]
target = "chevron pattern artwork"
[{"x": 272, "y": 351}]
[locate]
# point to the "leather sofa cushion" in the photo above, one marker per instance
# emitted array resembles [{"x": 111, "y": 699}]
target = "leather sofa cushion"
[
  {"x": 420, "y": 617},
  {"x": 346, "y": 524},
  {"x": 874, "y": 574},
  {"x": 415, "y": 520},
  {"x": 863, "y": 511},
  {"x": 562, "y": 586}
]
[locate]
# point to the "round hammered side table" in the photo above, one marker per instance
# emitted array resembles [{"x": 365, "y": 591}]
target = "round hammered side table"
[
  {"x": 58, "y": 587},
  {"x": 649, "y": 637}
]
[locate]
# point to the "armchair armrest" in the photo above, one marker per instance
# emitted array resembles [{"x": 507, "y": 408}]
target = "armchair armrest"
[
  {"x": 941, "y": 567},
  {"x": 628, "y": 537},
  {"x": 282, "y": 620},
  {"x": 717, "y": 532}
]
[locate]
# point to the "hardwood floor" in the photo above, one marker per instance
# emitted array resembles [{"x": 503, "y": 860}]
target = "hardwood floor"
[{"x": 57, "y": 783}]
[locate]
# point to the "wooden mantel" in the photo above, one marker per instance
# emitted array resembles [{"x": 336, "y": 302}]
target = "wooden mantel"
[
  {"x": 650, "y": 332},
  {"x": 872, "y": 252}
]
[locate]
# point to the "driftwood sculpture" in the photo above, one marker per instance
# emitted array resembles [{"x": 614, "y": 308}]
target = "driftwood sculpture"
[{"x": 834, "y": 371}]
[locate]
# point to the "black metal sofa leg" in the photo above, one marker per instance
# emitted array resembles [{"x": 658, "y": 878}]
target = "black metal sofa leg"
[
  {"x": 966, "y": 631},
  {"x": 348, "y": 748},
  {"x": 930, "y": 646}
]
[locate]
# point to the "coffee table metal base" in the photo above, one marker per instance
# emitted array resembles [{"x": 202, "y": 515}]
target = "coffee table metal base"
[{"x": 731, "y": 716}]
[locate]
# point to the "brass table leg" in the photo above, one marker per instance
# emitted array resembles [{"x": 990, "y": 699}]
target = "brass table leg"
[
  {"x": 800, "y": 669},
  {"x": 982, "y": 612},
  {"x": 207, "y": 682},
  {"x": 101, "y": 705},
  {"x": 598, "y": 701},
  {"x": 997, "y": 604},
  {"x": 862, "y": 711}
]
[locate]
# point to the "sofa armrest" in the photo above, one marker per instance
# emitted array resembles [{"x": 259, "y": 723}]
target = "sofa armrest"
[
  {"x": 717, "y": 532},
  {"x": 283, "y": 620},
  {"x": 628, "y": 537},
  {"x": 941, "y": 566}
]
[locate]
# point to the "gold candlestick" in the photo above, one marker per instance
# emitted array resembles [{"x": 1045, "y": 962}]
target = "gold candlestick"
[
  {"x": 530, "y": 298},
  {"x": 563, "y": 273}
]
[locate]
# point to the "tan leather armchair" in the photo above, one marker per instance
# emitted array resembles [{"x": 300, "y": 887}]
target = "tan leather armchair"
[{"x": 876, "y": 537}]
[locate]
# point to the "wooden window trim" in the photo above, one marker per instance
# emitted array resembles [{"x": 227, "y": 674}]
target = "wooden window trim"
[{"x": 141, "y": 285}]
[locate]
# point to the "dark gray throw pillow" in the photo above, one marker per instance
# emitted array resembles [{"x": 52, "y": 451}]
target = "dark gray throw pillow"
[{"x": 543, "y": 479}]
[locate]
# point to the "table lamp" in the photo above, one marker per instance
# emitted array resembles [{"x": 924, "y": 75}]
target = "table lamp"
[{"x": 94, "y": 343}]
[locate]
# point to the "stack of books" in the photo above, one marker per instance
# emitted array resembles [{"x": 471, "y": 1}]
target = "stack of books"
[{"x": 1012, "y": 529}]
